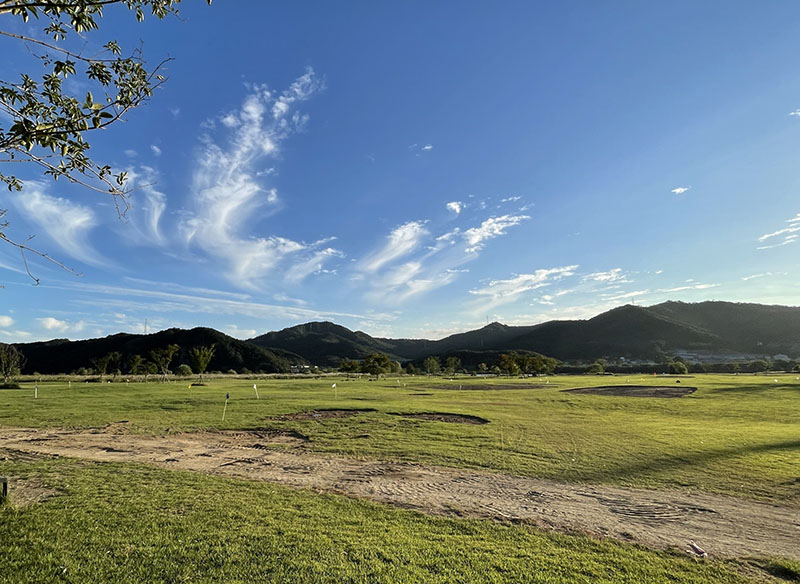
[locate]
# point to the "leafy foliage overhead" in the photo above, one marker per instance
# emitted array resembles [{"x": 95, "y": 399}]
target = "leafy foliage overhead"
[{"x": 42, "y": 121}]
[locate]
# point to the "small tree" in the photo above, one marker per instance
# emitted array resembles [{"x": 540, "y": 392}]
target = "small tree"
[
  {"x": 200, "y": 358},
  {"x": 11, "y": 363},
  {"x": 508, "y": 363},
  {"x": 376, "y": 364},
  {"x": 432, "y": 365},
  {"x": 678, "y": 368},
  {"x": 101, "y": 364},
  {"x": 162, "y": 358},
  {"x": 452, "y": 364},
  {"x": 135, "y": 363},
  {"x": 483, "y": 368},
  {"x": 184, "y": 370},
  {"x": 597, "y": 368}
]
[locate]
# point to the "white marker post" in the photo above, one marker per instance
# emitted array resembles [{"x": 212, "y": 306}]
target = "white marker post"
[
  {"x": 36, "y": 391},
  {"x": 255, "y": 387},
  {"x": 227, "y": 397},
  {"x": 335, "y": 395}
]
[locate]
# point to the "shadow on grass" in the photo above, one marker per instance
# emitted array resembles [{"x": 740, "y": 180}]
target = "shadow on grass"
[
  {"x": 754, "y": 389},
  {"x": 686, "y": 458}
]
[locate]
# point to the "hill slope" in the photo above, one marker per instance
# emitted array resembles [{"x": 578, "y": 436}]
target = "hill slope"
[
  {"x": 61, "y": 355},
  {"x": 634, "y": 332}
]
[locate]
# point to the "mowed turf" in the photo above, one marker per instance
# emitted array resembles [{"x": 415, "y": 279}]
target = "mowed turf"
[
  {"x": 137, "y": 524},
  {"x": 736, "y": 434},
  {"x": 133, "y": 523}
]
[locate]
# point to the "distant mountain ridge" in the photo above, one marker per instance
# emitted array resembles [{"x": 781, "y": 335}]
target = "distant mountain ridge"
[
  {"x": 63, "y": 356},
  {"x": 704, "y": 329},
  {"x": 698, "y": 331}
]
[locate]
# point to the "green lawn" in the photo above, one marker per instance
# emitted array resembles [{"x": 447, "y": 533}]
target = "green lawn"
[
  {"x": 736, "y": 434},
  {"x": 131, "y": 524}
]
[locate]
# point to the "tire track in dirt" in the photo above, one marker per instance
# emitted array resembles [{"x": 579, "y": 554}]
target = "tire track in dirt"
[{"x": 722, "y": 525}]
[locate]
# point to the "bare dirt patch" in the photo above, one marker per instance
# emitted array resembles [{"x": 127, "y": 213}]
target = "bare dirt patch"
[
  {"x": 443, "y": 417},
  {"x": 663, "y": 519},
  {"x": 23, "y": 492},
  {"x": 323, "y": 414},
  {"x": 267, "y": 435},
  {"x": 485, "y": 386},
  {"x": 637, "y": 390}
]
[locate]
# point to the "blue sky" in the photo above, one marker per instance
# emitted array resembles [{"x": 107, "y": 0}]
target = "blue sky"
[{"x": 417, "y": 169}]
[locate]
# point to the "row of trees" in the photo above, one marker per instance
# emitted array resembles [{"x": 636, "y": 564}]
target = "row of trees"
[
  {"x": 678, "y": 366},
  {"x": 159, "y": 363},
  {"x": 12, "y": 362},
  {"x": 511, "y": 363}
]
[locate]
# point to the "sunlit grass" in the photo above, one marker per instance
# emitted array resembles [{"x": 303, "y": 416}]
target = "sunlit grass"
[
  {"x": 736, "y": 434},
  {"x": 136, "y": 524}
]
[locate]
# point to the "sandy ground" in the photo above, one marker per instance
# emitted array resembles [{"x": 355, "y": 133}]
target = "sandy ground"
[
  {"x": 636, "y": 390},
  {"x": 722, "y": 525}
]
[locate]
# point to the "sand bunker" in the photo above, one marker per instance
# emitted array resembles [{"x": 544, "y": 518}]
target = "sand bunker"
[
  {"x": 663, "y": 519},
  {"x": 637, "y": 390},
  {"x": 323, "y": 414},
  {"x": 443, "y": 417}
]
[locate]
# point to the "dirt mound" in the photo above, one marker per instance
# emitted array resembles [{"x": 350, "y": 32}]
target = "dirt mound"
[
  {"x": 323, "y": 414},
  {"x": 485, "y": 386},
  {"x": 443, "y": 417},
  {"x": 637, "y": 390}
]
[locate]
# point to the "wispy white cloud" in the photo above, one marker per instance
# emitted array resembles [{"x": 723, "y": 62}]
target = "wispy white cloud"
[
  {"x": 183, "y": 289},
  {"x": 795, "y": 113},
  {"x": 786, "y": 235},
  {"x": 151, "y": 300},
  {"x": 227, "y": 193},
  {"x": 680, "y": 190},
  {"x": 155, "y": 150},
  {"x": 499, "y": 292},
  {"x": 691, "y": 287},
  {"x": 312, "y": 265},
  {"x": 64, "y": 221},
  {"x": 6, "y": 321},
  {"x": 455, "y": 206},
  {"x": 476, "y": 237},
  {"x": 510, "y": 199},
  {"x": 625, "y": 295},
  {"x": 615, "y": 275},
  {"x": 15, "y": 335},
  {"x": 427, "y": 147},
  {"x": 764, "y": 275},
  {"x": 148, "y": 205},
  {"x": 400, "y": 242}
]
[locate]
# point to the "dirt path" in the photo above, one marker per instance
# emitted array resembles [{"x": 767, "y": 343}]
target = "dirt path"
[{"x": 724, "y": 526}]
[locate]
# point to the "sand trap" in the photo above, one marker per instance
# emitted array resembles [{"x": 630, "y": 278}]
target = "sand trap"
[
  {"x": 443, "y": 417},
  {"x": 637, "y": 390},
  {"x": 662, "y": 519},
  {"x": 324, "y": 414}
]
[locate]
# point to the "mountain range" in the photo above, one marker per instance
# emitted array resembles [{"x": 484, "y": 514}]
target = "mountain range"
[{"x": 705, "y": 331}]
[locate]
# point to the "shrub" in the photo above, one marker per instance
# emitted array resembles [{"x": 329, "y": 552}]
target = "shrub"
[{"x": 184, "y": 370}]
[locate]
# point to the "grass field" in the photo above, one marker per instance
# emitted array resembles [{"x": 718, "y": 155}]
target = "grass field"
[{"x": 123, "y": 522}]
